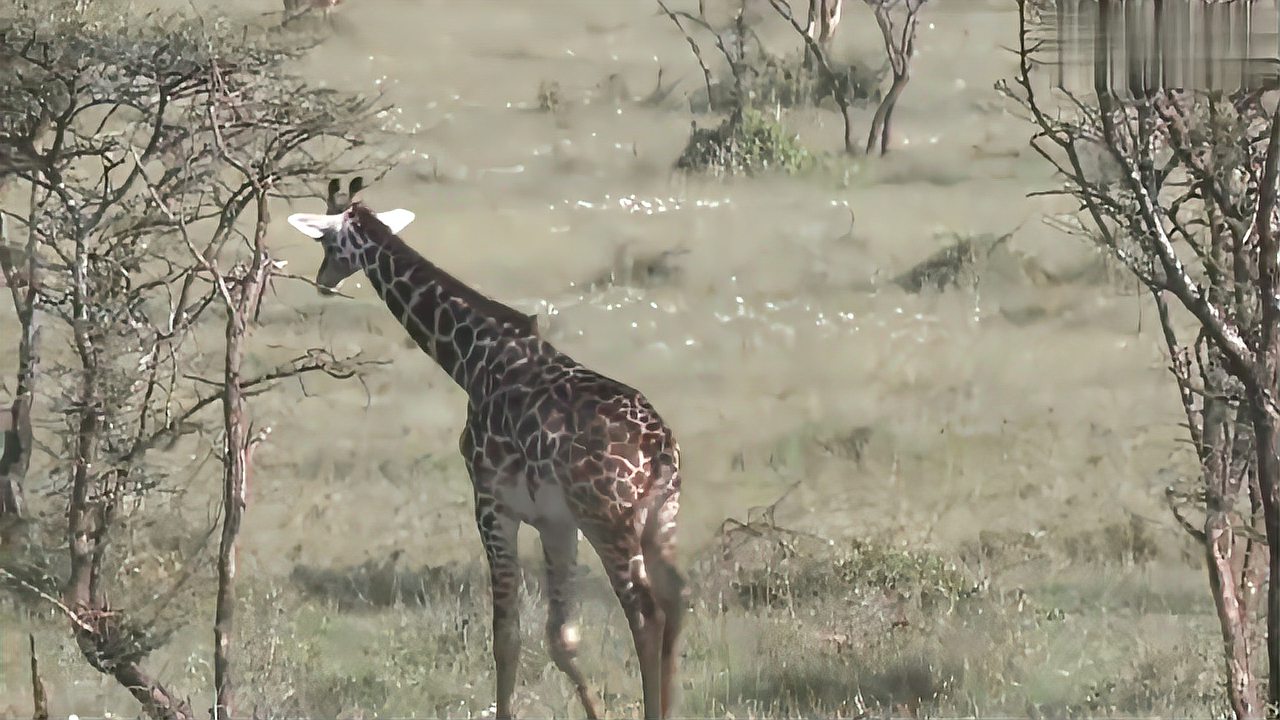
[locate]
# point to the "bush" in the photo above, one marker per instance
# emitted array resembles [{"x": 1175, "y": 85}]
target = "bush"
[{"x": 747, "y": 143}]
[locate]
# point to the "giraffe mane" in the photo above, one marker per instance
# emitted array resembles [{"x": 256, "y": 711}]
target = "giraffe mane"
[{"x": 378, "y": 232}]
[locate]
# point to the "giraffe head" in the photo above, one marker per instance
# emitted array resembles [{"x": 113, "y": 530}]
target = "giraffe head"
[{"x": 347, "y": 234}]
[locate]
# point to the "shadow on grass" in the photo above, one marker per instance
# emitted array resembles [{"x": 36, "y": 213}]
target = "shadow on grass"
[
  {"x": 383, "y": 583},
  {"x": 817, "y": 685}
]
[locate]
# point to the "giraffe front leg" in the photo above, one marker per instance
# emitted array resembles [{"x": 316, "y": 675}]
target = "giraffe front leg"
[
  {"x": 499, "y": 533},
  {"x": 560, "y": 550}
]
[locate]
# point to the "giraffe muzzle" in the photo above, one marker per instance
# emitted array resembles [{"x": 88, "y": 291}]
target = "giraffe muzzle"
[
  {"x": 331, "y": 274},
  {"x": 327, "y": 286}
]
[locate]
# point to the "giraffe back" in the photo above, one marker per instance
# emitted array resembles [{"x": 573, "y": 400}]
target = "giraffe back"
[{"x": 594, "y": 439}]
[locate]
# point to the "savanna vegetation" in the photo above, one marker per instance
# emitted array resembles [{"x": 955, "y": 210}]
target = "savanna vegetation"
[{"x": 962, "y": 483}]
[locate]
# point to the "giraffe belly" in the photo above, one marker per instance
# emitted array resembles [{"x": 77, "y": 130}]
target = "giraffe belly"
[{"x": 545, "y": 505}]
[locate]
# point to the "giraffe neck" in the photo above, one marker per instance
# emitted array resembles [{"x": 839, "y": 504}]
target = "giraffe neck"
[{"x": 472, "y": 337}]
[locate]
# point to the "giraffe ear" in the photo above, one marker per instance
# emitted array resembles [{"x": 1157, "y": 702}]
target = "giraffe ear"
[
  {"x": 396, "y": 220},
  {"x": 313, "y": 225}
]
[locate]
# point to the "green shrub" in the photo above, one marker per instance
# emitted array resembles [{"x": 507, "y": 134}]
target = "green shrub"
[{"x": 747, "y": 143}]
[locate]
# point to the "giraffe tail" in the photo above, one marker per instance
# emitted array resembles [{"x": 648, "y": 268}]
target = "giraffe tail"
[{"x": 657, "y": 548}]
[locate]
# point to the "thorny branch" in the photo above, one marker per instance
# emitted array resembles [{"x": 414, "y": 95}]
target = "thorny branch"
[
  {"x": 1185, "y": 197},
  {"x": 128, "y": 134}
]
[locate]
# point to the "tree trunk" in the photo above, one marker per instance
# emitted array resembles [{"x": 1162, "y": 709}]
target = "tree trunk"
[
  {"x": 235, "y": 468},
  {"x": 899, "y": 47},
  {"x": 238, "y": 452},
  {"x": 15, "y": 455},
  {"x": 1224, "y": 582},
  {"x": 1225, "y": 476},
  {"x": 824, "y": 17},
  {"x": 880, "y": 121},
  {"x": 1264, "y": 428}
]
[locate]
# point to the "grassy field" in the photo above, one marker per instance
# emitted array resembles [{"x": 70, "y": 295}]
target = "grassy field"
[{"x": 945, "y": 501}]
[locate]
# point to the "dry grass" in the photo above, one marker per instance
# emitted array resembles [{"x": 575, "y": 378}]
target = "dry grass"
[{"x": 785, "y": 624}]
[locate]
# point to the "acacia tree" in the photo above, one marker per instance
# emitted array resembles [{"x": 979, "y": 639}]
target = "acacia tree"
[
  {"x": 146, "y": 150},
  {"x": 1179, "y": 187},
  {"x": 896, "y": 19}
]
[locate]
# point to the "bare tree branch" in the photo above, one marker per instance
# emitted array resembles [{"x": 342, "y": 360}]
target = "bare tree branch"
[
  {"x": 697, "y": 52},
  {"x": 132, "y": 130},
  {"x": 840, "y": 86},
  {"x": 1184, "y": 195}
]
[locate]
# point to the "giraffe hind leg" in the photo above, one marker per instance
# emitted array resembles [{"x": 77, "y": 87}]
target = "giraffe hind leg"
[
  {"x": 560, "y": 550},
  {"x": 657, "y": 544},
  {"x": 623, "y": 562}
]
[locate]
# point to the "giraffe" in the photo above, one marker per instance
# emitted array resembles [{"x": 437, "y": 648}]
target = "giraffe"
[{"x": 547, "y": 442}]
